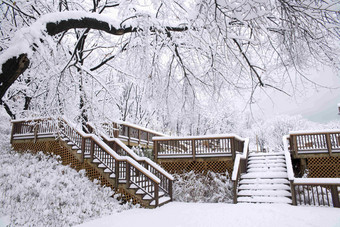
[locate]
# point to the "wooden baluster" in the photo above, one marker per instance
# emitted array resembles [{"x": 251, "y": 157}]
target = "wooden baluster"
[
  {"x": 335, "y": 195},
  {"x": 170, "y": 189},
  {"x": 14, "y": 125},
  {"x": 295, "y": 147},
  {"x": 36, "y": 127},
  {"x": 139, "y": 139}
]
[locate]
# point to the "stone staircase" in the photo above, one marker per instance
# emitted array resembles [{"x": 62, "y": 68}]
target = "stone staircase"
[{"x": 266, "y": 180}]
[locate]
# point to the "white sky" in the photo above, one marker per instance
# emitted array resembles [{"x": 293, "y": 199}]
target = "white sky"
[{"x": 315, "y": 104}]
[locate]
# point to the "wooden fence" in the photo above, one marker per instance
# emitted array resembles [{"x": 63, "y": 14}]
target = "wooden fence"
[
  {"x": 325, "y": 142},
  {"x": 196, "y": 147},
  {"x": 131, "y": 134},
  {"x": 126, "y": 170}
]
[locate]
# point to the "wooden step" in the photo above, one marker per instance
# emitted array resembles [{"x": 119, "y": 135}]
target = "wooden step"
[
  {"x": 264, "y": 175},
  {"x": 264, "y": 199},
  {"x": 264, "y": 186},
  {"x": 270, "y": 161},
  {"x": 265, "y": 154},
  {"x": 268, "y": 169},
  {"x": 258, "y": 165},
  {"x": 264, "y": 193},
  {"x": 264, "y": 181}
]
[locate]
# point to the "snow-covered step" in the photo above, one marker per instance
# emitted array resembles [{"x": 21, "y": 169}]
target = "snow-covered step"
[
  {"x": 258, "y": 165},
  {"x": 265, "y": 175},
  {"x": 70, "y": 143},
  {"x": 147, "y": 197},
  {"x": 133, "y": 186},
  {"x": 264, "y": 186},
  {"x": 264, "y": 181},
  {"x": 96, "y": 161},
  {"x": 266, "y": 157},
  {"x": 101, "y": 165},
  {"x": 140, "y": 192},
  {"x": 264, "y": 193},
  {"x": 79, "y": 151},
  {"x": 75, "y": 148},
  {"x": 265, "y": 154},
  {"x": 271, "y": 169},
  {"x": 264, "y": 199},
  {"x": 107, "y": 170},
  {"x": 113, "y": 175},
  {"x": 161, "y": 201},
  {"x": 270, "y": 161}
]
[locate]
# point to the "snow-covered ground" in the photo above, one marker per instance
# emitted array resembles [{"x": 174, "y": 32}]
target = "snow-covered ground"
[{"x": 221, "y": 214}]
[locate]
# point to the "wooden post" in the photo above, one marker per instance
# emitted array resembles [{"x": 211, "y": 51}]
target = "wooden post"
[
  {"x": 148, "y": 140},
  {"x": 292, "y": 190},
  {"x": 170, "y": 189},
  {"x": 193, "y": 150},
  {"x": 329, "y": 144},
  {"x": 232, "y": 142},
  {"x": 294, "y": 139},
  {"x": 235, "y": 192},
  {"x": 36, "y": 133},
  {"x": 116, "y": 172},
  {"x": 155, "y": 150},
  {"x": 156, "y": 194},
  {"x": 127, "y": 174},
  {"x": 82, "y": 149},
  {"x": 12, "y": 132},
  {"x": 128, "y": 129},
  {"x": 92, "y": 149},
  {"x": 335, "y": 195},
  {"x": 138, "y": 136}
]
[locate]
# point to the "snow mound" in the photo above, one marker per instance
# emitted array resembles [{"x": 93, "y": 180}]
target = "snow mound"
[{"x": 37, "y": 190}]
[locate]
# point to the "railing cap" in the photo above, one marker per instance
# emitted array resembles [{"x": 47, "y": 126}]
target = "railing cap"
[
  {"x": 218, "y": 136},
  {"x": 308, "y": 132}
]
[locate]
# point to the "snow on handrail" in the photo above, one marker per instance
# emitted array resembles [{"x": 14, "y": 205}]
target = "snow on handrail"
[
  {"x": 139, "y": 127},
  {"x": 218, "y": 136},
  {"x": 104, "y": 147},
  {"x": 314, "y": 131},
  {"x": 238, "y": 159},
  {"x": 135, "y": 156},
  {"x": 317, "y": 181},
  {"x": 290, "y": 171}
]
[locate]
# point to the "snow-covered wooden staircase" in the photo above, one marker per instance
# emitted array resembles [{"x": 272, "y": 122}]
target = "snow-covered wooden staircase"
[{"x": 266, "y": 180}]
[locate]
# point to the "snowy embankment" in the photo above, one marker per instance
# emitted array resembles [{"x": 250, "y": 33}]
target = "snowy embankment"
[
  {"x": 221, "y": 214},
  {"x": 37, "y": 190}
]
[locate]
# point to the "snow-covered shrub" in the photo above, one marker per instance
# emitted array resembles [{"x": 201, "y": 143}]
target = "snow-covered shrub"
[
  {"x": 198, "y": 187},
  {"x": 143, "y": 152},
  {"x": 37, "y": 190}
]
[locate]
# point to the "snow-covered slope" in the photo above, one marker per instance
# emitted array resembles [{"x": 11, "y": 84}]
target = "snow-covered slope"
[{"x": 37, "y": 190}]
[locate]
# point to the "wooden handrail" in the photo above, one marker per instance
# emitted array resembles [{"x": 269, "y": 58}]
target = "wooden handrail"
[
  {"x": 240, "y": 166},
  {"x": 98, "y": 149},
  {"x": 301, "y": 188},
  {"x": 314, "y": 142},
  {"x": 197, "y": 146}
]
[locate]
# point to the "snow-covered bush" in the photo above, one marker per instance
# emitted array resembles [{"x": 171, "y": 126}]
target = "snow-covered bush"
[
  {"x": 198, "y": 187},
  {"x": 37, "y": 190}
]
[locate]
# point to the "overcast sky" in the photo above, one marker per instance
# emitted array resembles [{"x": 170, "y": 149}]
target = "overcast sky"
[{"x": 315, "y": 104}]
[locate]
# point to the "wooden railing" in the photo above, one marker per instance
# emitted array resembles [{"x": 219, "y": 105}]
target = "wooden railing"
[
  {"x": 321, "y": 142},
  {"x": 311, "y": 191},
  {"x": 126, "y": 170},
  {"x": 240, "y": 166},
  {"x": 130, "y": 133},
  {"x": 166, "y": 179},
  {"x": 195, "y": 147}
]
